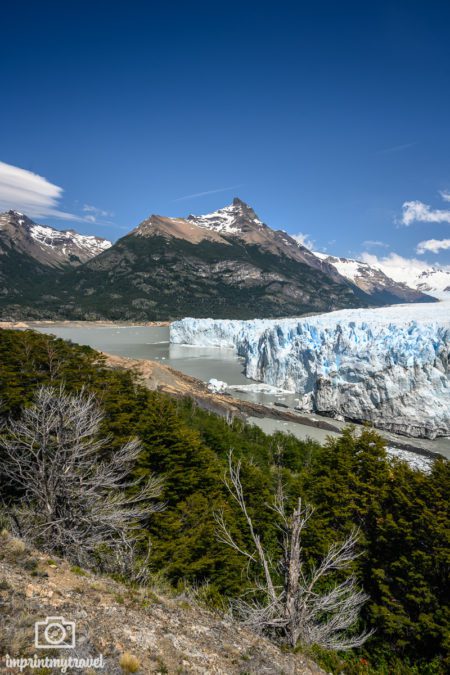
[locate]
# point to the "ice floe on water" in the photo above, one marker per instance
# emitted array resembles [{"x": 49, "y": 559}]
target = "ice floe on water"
[{"x": 415, "y": 461}]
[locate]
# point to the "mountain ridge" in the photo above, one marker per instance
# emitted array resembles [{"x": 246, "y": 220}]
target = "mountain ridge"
[
  {"x": 49, "y": 246},
  {"x": 372, "y": 279},
  {"x": 225, "y": 264}
]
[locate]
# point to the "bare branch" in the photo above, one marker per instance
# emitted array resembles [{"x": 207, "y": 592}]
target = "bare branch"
[
  {"x": 297, "y": 611},
  {"x": 75, "y": 503}
]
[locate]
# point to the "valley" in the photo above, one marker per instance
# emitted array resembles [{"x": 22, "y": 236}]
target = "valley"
[
  {"x": 181, "y": 369},
  {"x": 225, "y": 339}
]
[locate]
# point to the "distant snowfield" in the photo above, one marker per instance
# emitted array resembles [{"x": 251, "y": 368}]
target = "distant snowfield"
[
  {"x": 423, "y": 277},
  {"x": 389, "y": 366}
]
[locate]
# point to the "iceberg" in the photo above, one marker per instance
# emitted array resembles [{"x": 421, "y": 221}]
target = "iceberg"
[
  {"x": 388, "y": 366},
  {"x": 216, "y": 386}
]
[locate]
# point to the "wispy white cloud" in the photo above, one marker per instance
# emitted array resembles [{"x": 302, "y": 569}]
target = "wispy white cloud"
[
  {"x": 374, "y": 243},
  {"x": 27, "y": 192},
  {"x": 34, "y": 195},
  {"x": 418, "y": 211},
  {"x": 395, "y": 265},
  {"x": 432, "y": 246},
  {"x": 208, "y": 192},
  {"x": 445, "y": 194},
  {"x": 88, "y": 208},
  {"x": 97, "y": 216},
  {"x": 303, "y": 239}
]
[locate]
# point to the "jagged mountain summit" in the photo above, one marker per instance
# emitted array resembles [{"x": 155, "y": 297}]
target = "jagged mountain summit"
[
  {"x": 45, "y": 244},
  {"x": 225, "y": 264},
  {"x": 374, "y": 281},
  {"x": 239, "y": 221},
  {"x": 33, "y": 257}
]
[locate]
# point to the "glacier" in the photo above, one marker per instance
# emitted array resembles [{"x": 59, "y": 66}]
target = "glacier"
[{"x": 387, "y": 366}]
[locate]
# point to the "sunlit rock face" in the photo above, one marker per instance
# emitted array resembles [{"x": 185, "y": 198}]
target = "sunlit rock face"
[{"x": 387, "y": 366}]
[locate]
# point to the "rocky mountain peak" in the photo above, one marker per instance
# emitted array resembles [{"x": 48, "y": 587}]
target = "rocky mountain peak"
[
  {"x": 234, "y": 219},
  {"x": 45, "y": 244},
  {"x": 15, "y": 218},
  {"x": 239, "y": 202}
]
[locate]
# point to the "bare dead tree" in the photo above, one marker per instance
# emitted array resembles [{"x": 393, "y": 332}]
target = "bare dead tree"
[
  {"x": 288, "y": 602},
  {"x": 74, "y": 501}
]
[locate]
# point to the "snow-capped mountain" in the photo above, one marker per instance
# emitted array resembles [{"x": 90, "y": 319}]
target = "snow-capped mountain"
[
  {"x": 224, "y": 264},
  {"x": 235, "y": 222},
  {"x": 46, "y": 245},
  {"x": 238, "y": 222},
  {"x": 433, "y": 280},
  {"x": 416, "y": 275},
  {"x": 387, "y": 365},
  {"x": 372, "y": 279},
  {"x": 233, "y": 219}
]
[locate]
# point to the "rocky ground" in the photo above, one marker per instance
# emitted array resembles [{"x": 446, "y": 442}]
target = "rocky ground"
[{"x": 157, "y": 632}]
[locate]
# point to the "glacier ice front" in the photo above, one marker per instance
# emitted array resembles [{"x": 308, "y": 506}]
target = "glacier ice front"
[{"x": 388, "y": 366}]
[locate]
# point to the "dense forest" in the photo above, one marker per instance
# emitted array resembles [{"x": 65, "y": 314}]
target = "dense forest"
[{"x": 402, "y": 514}]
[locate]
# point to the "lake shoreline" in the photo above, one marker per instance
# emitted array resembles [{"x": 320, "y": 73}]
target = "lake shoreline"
[
  {"x": 161, "y": 377},
  {"x": 23, "y": 325},
  {"x": 161, "y": 370}
]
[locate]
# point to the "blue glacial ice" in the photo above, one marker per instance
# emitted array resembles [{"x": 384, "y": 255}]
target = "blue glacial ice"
[{"x": 388, "y": 366}]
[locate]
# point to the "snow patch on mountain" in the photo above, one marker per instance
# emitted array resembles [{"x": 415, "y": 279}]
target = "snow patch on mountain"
[
  {"x": 226, "y": 220},
  {"x": 374, "y": 280},
  {"x": 350, "y": 269},
  {"x": 414, "y": 273},
  {"x": 388, "y": 366},
  {"x": 45, "y": 244},
  {"x": 68, "y": 241}
]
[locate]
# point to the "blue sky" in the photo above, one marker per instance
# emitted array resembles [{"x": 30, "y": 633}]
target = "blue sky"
[{"x": 326, "y": 117}]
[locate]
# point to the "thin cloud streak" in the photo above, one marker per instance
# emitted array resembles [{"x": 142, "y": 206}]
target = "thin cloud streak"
[
  {"x": 89, "y": 208},
  {"x": 396, "y": 148},
  {"x": 208, "y": 192},
  {"x": 372, "y": 243}
]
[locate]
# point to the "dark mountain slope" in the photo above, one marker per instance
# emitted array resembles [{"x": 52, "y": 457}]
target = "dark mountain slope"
[
  {"x": 149, "y": 278},
  {"x": 226, "y": 264}
]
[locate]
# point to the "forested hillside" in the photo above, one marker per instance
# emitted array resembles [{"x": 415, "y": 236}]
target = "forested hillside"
[{"x": 402, "y": 514}]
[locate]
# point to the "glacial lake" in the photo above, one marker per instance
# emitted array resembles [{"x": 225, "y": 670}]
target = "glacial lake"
[{"x": 204, "y": 363}]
